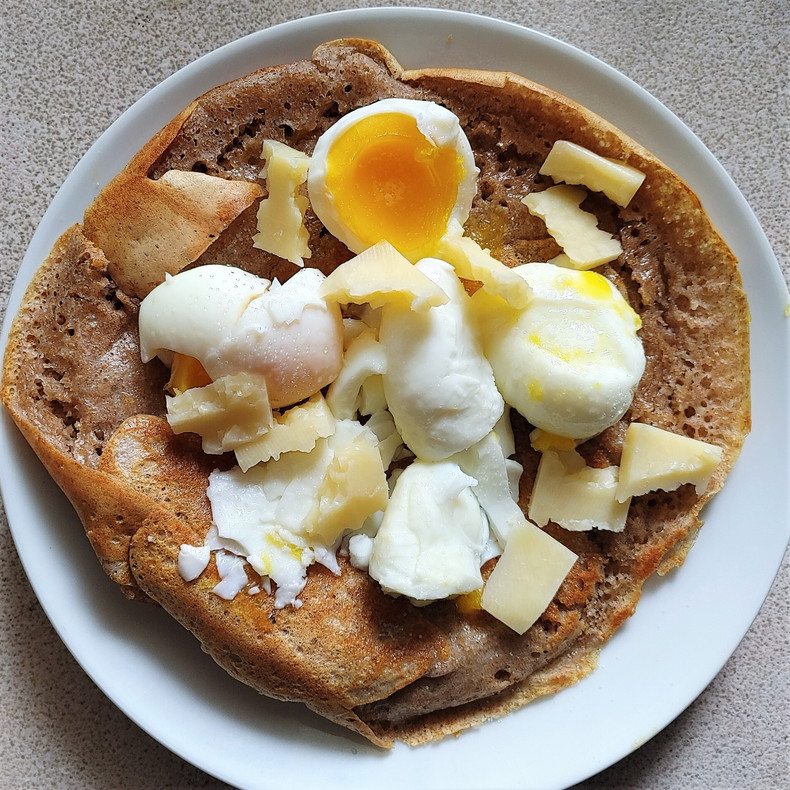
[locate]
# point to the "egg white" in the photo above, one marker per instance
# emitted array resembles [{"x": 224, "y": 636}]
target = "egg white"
[
  {"x": 233, "y": 322},
  {"x": 571, "y": 360}
]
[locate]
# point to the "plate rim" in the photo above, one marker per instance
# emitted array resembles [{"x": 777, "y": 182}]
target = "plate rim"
[{"x": 51, "y": 216}]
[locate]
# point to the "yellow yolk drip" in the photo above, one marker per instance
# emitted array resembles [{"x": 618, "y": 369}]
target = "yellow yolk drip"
[
  {"x": 542, "y": 441},
  {"x": 585, "y": 283},
  {"x": 185, "y": 373},
  {"x": 470, "y": 602},
  {"x": 489, "y": 230},
  {"x": 389, "y": 182},
  {"x": 593, "y": 285}
]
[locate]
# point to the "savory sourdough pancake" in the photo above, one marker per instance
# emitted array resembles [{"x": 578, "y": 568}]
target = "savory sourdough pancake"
[{"x": 74, "y": 382}]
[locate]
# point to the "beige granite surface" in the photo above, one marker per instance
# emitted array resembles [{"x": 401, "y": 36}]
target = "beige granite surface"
[{"x": 68, "y": 68}]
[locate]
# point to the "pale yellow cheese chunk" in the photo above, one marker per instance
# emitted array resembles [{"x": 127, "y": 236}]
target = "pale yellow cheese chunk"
[
  {"x": 472, "y": 262},
  {"x": 526, "y": 577},
  {"x": 381, "y": 275},
  {"x": 281, "y": 228},
  {"x": 576, "y": 496},
  {"x": 354, "y": 487},
  {"x": 575, "y": 164},
  {"x": 575, "y": 230},
  {"x": 296, "y": 430},
  {"x": 227, "y": 413},
  {"x": 657, "y": 459}
]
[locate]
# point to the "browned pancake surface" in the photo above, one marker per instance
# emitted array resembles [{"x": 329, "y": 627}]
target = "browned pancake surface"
[{"x": 72, "y": 376}]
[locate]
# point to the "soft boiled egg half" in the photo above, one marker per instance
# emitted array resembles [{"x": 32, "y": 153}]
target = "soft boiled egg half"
[
  {"x": 232, "y": 321},
  {"x": 397, "y": 169}
]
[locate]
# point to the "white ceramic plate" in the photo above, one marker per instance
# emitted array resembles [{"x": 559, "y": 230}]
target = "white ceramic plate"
[{"x": 687, "y": 624}]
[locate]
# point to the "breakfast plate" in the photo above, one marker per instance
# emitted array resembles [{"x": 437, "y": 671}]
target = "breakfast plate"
[{"x": 687, "y": 624}]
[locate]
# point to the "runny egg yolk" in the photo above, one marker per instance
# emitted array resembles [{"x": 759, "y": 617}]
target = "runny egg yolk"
[
  {"x": 186, "y": 372},
  {"x": 388, "y": 181}
]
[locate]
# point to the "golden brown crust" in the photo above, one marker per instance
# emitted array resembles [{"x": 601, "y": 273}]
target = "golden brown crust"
[
  {"x": 148, "y": 227},
  {"x": 358, "y": 657},
  {"x": 67, "y": 402},
  {"x": 349, "y": 644}
]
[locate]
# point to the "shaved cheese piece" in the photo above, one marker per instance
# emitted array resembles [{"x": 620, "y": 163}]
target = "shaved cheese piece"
[
  {"x": 472, "y": 262},
  {"x": 227, "y": 413},
  {"x": 576, "y": 496},
  {"x": 575, "y": 164},
  {"x": 281, "y": 229},
  {"x": 296, "y": 430},
  {"x": 526, "y": 577},
  {"x": 354, "y": 486},
  {"x": 654, "y": 458},
  {"x": 381, "y": 275},
  {"x": 574, "y": 229}
]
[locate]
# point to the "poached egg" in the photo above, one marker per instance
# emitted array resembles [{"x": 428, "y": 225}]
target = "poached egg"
[
  {"x": 439, "y": 387},
  {"x": 570, "y": 361},
  {"x": 232, "y": 321}
]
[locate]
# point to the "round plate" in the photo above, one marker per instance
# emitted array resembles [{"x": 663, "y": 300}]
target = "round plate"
[{"x": 687, "y": 624}]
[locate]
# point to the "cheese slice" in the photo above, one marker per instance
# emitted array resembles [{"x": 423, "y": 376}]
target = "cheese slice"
[
  {"x": 281, "y": 228},
  {"x": 574, "y": 229},
  {"x": 576, "y": 496},
  {"x": 472, "y": 262},
  {"x": 657, "y": 459},
  {"x": 354, "y": 486},
  {"x": 526, "y": 577},
  {"x": 381, "y": 275},
  {"x": 227, "y": 413},
  {"x": 575, "y": 164},
  {"x": 296, "y": 430}
]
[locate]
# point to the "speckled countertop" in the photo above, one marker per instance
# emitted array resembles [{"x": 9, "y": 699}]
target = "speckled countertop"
[{"x": 70, "y": 67}]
